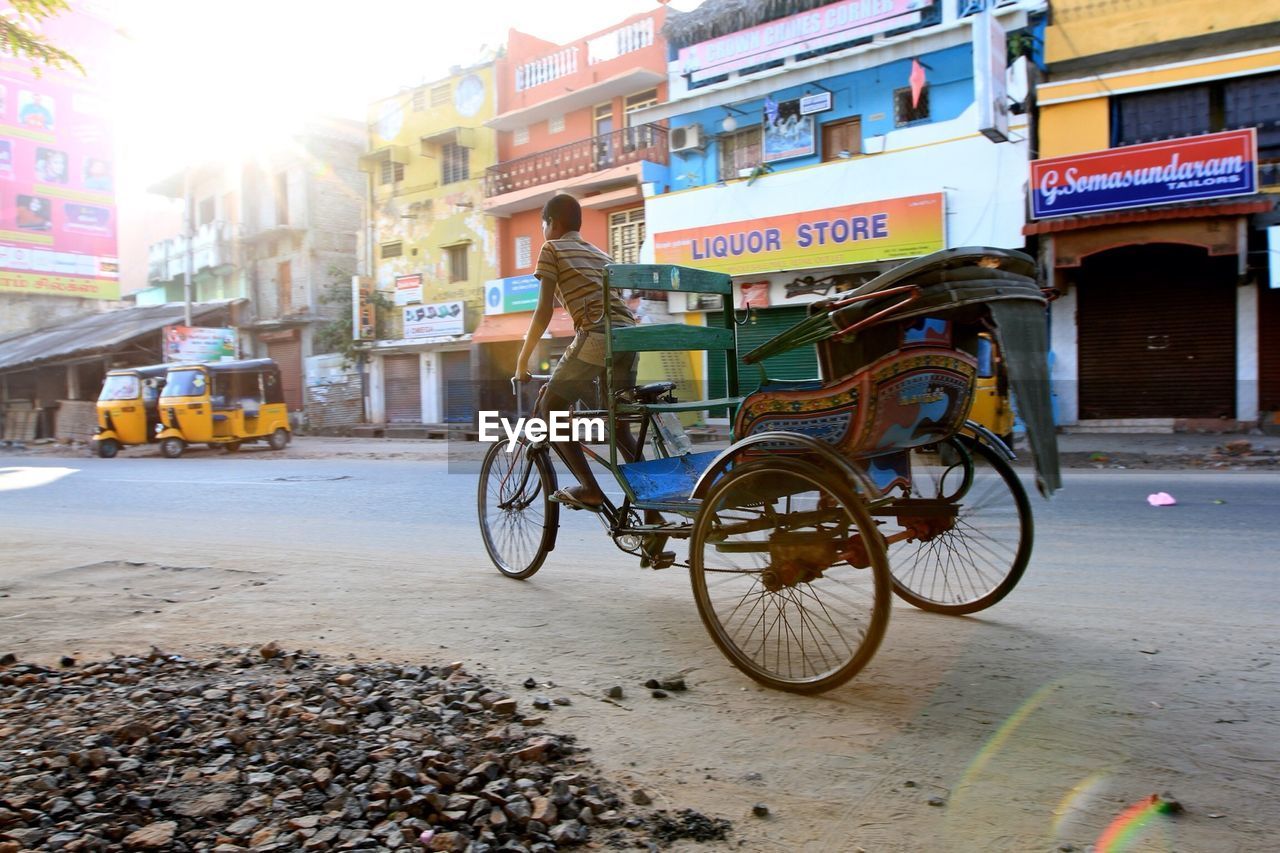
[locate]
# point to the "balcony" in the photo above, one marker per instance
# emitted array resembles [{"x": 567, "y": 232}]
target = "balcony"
[
  {"x": 646, "y": 142},
  {"x": 210, "y": 250}
]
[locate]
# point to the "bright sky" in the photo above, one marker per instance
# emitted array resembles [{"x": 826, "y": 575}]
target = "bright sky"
[{"x": 197, "y": 78}]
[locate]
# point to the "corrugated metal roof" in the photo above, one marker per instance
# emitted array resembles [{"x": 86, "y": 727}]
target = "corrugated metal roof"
[{"x": 97, "y": 332}]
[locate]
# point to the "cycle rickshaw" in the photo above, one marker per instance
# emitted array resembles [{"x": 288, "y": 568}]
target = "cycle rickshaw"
[{"x": 835, "y": 492}]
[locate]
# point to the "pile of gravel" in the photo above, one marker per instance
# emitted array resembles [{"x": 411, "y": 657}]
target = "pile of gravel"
[{"x": 266, "y": 751}]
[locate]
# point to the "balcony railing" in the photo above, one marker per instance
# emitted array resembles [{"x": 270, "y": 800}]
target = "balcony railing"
[
  {"x": 629, "y": 145},
  {"x": 210, "y": 248},
  {"x": 562, "y": 63},
  {"x": 623, "y": 40}
]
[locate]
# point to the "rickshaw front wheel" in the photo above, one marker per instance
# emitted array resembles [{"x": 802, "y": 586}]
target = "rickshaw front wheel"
[
  {"x": 107, "y": 448},
  {"x": 230, "y": 446},
  {"x": 790, "y": 575},
  {"x": 171, "y": 448},
  {"x": 279, "y": 439}
]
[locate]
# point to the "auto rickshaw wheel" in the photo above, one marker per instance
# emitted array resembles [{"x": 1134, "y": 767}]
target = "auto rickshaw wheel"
[
  {"x": 107, "y": 448},
  {"x": 279, "y": 439},
  {"x": 171, "y": 448},
  {"x": 231, "y": 446}
]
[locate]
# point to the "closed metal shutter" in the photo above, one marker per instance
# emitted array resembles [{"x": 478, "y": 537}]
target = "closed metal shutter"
[
  {"x": 1156, "y": 330},
  {"x": 402, "y": 380},
  {"x": 288, "y": 355},
  {"x": 459, "y": 390},
  {"x": 1269, "y": 349},
  {"x": 799, "y": 363}
]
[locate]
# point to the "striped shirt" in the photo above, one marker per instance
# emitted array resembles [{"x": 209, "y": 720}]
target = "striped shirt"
[{"x": 576, "y": 268}]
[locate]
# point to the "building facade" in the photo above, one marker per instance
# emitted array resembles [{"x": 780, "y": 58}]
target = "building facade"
[
  {"x": 429, "y": 245},
  {"x": 816, "y": 145},
  {"x": 278, "y": 230},
  {"x": 567, "y": 122},
  {"x": 1153, "y": 198}
]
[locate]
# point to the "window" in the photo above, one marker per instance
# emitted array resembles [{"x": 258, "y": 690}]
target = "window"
[
  {"x": 391, "y": 250},
  {"x": 626, "y": 233},
  {"x": 457, "y": 258},
  {"x": 642, "y": 135},
  {"x": 524, "y": 252},
  {"x": 903, "y": 111},
  {"x": 555, "y": 124},
  {"x": 440, "y": 95},
  {"x": 282, "y": 198},
  {"x": 739, "y": 151},
  {"x": 206, "y": 214},
  {"x": 454, "y": 163},
  {"x": 641, "y": 100},
  {"x": 391, "y": 172},
  {"x": 841, "y": 139},
  {"x": 419, "y": 99},
  {"x": 520, "y": 136},
  {"x": 284, "y": 287}
]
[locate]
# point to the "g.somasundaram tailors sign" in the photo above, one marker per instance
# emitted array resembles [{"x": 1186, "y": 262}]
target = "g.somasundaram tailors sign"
[
  {"x": 852, "y": 234},
  {"x": 1215, "y": 165}
]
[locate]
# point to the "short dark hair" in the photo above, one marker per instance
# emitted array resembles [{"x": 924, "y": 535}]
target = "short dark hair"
[{"x": 563, "y": 209}]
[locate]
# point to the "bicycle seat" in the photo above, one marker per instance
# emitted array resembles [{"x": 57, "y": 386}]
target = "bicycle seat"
[{"x": 645, "y": 393}]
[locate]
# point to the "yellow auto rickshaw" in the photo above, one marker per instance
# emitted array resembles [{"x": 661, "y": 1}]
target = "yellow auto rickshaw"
[
  {"x": 991, "y": 406},
  {"x": 223, "y": 404},
  {"x": 127, "y": 408}
]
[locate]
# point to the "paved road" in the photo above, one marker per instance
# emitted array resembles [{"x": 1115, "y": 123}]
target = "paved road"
[{"x": 1137, "y": 656}]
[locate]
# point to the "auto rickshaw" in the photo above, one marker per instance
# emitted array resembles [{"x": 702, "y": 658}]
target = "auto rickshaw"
[
  {"x": 127, "y": 408},
  {"x": 222, "y": 404},
  {"x": 991, "y": 405}
]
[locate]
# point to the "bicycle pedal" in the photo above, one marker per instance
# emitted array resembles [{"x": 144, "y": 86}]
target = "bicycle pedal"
[{"x": 661, "y": 561}]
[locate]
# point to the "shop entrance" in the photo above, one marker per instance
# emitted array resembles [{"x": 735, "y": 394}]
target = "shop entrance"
[{"x": 1156, "y": 329}]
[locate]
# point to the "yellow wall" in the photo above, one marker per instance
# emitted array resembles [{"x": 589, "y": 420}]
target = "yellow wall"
[
  {"x": 1074, "y": 127},
  {"x": 420, "y": 211},
  {"x": 1088, "y": 27}
]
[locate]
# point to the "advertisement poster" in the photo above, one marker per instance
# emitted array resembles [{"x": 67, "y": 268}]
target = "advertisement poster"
[
  {"x": 57, "y": 193},
  {"x": 439, "y": 319},
  {"x": 787, "y": 133},
  {"x": 408, "y": 289},
  {"x": 511, "y": 295},
  {"x": 852, "y": 234},
  {"x": 199, "y": 343},
  {"x": 1214, "y": 165}
]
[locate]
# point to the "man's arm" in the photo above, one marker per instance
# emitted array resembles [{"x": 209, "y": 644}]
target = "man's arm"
[{"x": 538, "y": 325}]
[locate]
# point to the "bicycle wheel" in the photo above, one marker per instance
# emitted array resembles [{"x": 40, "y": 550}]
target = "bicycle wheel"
[
  {"x": 971, "y": 552},
  {"x": 518, "y": 519},
  {"x": 790, "y": 575}
]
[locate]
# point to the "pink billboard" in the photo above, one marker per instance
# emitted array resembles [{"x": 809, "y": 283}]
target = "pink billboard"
[{"x": 57, "y": 169}]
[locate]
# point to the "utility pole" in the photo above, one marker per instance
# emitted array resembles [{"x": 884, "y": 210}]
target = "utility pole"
[{"x": 189, "y": 228}]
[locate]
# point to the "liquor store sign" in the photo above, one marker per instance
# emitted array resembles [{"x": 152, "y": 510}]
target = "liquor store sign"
[{"x": 1214, "y": 165}]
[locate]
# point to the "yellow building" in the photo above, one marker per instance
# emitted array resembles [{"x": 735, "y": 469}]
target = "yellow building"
[
  {"x": 429, "y": 246},
  {"x": 1159, "y": 166}
]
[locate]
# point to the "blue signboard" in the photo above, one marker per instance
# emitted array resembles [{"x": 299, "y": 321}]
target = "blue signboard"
[{"x": 511, "y": 295}]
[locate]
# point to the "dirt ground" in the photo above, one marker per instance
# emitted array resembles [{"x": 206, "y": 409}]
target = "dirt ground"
[{"x": 1119, "y": 669}]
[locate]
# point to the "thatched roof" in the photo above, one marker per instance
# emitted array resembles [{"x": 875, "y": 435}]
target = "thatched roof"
[{"x": 716, "y": 18}]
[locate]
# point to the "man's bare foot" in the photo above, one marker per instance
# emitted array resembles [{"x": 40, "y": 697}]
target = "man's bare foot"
[{"x": 579, "y": 496}]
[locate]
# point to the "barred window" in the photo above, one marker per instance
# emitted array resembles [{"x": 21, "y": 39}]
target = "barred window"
[
  {"x": 904, "y": 112},
  {"x": 391, "y": 250},
  {"x": 739, "y": 151},
  {"x": 626, "y": 233},
  {"x": 440, "y": 95},
  {"x": 419, "y": 99},
  {"x": 391, "y": 172},
  {"x": 457, "y": 256},
  {"x": 455, "y": 163}
]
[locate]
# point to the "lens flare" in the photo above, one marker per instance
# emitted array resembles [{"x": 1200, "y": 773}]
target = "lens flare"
[{"x": 1126, "y": 828}]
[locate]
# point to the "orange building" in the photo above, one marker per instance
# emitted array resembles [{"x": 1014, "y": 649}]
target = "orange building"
[{"x": 564, "y": 125}]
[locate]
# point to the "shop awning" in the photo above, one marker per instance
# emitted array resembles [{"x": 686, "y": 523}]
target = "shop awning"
[
  {"x": 1226, "y": 207},
  {"x": 496, "y": 328}
]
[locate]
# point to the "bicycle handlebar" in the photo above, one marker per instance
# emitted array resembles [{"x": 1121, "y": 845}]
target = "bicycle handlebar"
[{"x": 533, "y": 377}]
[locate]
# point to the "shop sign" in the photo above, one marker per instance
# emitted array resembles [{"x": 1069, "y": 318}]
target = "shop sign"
[
  {"x": 818, "y": 103},
  {"x": 408, "y": 289},
  {"x": 830, "y": 24},
  {"x": 1196, "y": 167},
  {"x": 510, "y": 295},
  {"x": 437, "y": 320},
  {"x": 753, "y": 294},
  {"x": 851, "y": 234},
  {"x": 199, "y": 343},
  {"x": 364, "y": 316}
]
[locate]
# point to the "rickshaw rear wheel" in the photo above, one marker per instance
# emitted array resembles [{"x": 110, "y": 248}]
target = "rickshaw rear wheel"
[
  {"x": 231, "y": 446},
  {"x": 518, "y": 519},
  {"x": 980, "y": 554},
  {"x": 789, "y": 574},
  {"x": 171, "y": 448},
  {"x": 107, "y": 448},
  {"x": 279, "y": 439}
]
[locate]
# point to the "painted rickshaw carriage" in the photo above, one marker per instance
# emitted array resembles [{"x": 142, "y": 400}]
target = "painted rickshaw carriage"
[{"x": 835, "y": 492}]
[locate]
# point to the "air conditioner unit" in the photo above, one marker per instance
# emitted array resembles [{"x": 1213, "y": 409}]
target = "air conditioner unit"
[{"x": 687, "y": 138}]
